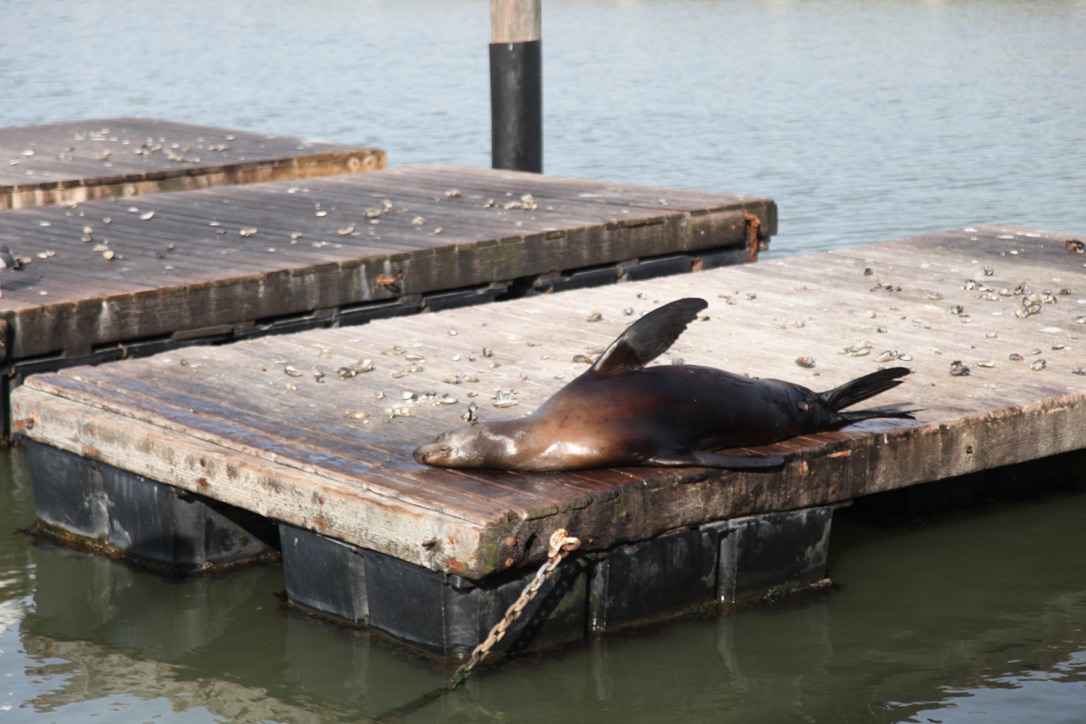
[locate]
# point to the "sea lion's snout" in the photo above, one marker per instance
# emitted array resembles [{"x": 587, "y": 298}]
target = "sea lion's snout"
[{"x": 431, "y": 453}]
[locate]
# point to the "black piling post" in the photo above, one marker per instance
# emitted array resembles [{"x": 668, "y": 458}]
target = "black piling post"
[{"x": 516, "y": 85}]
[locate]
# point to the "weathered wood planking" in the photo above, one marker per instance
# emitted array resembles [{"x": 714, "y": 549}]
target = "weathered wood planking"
[
  {"x": 331, "y": 454},
  {"x": 66, "y": 163},
  {"x": 231, "y": 257}
]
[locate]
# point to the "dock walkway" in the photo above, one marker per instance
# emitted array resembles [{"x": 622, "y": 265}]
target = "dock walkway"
[
  {"x": 67, "y": 163},
  {"x": 119, "y": 278},
  {"x": 991, "y": 320}
]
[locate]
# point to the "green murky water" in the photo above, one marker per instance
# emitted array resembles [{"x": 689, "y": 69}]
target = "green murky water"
[{"x": 977, "y": 616}]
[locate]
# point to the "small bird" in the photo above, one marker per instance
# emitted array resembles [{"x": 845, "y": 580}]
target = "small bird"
[{"x": 7, "y": 261}]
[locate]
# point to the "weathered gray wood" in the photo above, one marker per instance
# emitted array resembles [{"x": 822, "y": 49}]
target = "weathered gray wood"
[
  {"x": 515, "y": 21},
  {"x": 67, "y": 163},
  {"x": 329, "y": 456},
  {"x": 228, "y": 257}
]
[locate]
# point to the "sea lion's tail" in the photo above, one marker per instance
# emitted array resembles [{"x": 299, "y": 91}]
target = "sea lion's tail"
[{"x": 861, "y": 389}]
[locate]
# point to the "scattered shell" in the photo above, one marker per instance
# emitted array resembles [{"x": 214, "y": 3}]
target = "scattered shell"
[
  {"x": 453, "y": 380},
  {"x": 400, "y": 412},
  {"x": 582, "y": 359},
  {"x": 1075, "y": 245},
  {"x": 594, "y": 317},
  {"x": 346, "y": 230},
  {"x": 986, "y": 363},
  {"x": 905, "y": 357},
  {"x": 1038, "y": 365},
  {"x": 505, "y": 403},
  {"x": 806, "y": 362},
  {"x": 408, "y": 395},
  {"x": 469, "y": 414},
  {"x": 46, "y": 254},
  {"x": 246, "y": 232},
  {"x": 418, "y": 221},
  {"x": 447, "y": 399},
  {"x": 860, "y": 349},
  {"x": 108, "y": 254},
  {"x": 1015, "y": 357},
  {"x": 147, "y": 215},
  {"x": 957, "y": 309},
  {"x": 345, "y": 373},
  {"x": 318, "y": 374},
  {"x": 320, "y": 213},
  {"x": 292, "y": 371},
  {"x": 1078, "y": 371},
  {"x": 628, "y": 311},
  {"x": 454, "y": 193},
  {"x": 357, "y": 414},
  {"x": 887, "y": 356}
]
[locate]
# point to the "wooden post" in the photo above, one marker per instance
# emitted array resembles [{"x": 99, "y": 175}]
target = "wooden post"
[{"x": 516, "y": 85}]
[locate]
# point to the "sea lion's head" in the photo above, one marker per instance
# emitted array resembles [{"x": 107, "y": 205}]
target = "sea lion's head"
[{"x": 473, "y": 446}]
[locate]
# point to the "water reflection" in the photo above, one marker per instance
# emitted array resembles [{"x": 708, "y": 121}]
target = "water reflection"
[{"x": 932, "y": 620}]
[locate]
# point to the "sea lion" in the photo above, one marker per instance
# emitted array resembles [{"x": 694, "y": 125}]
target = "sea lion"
[{"x": 622, "y": 413}]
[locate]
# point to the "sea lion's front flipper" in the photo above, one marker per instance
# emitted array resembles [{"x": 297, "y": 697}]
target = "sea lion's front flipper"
[
  {"x": 701, "y": 458},
  {"x": 649, "y": 337}
]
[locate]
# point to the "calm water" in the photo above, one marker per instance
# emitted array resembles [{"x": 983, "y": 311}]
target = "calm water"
[{"x": 865, "y": 121}]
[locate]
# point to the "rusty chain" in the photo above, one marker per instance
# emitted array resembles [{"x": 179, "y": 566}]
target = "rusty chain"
[
  {"x": 753, "y": 227},
  {"x": 561, "y": 545}
]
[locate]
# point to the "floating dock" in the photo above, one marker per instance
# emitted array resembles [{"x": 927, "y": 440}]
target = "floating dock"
[
  {"x": 68, "y": 163},
  {"x": 314, "y": 432},
  {"x": 117, "y": 278}
]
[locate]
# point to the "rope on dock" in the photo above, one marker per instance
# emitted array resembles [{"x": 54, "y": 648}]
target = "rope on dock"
[{"x": 561, "y": 545}]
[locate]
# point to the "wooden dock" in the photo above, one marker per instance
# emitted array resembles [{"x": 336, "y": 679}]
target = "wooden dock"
[
  {"x": 115, "y": 278},
  {"x": 991, "y": 320},
  {"x": 68, "y": 163}
]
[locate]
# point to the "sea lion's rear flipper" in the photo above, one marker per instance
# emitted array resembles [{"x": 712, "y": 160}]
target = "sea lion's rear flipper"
[
  {"x": 702, "y": 458},
  {"x": 649, "y": 337}
]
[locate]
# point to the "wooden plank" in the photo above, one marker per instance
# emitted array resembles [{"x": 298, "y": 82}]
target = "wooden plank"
[
  {"x": 226, "y": 257},
  {"x": 761, "y": 317},
  {"x": 67, "y": 163}
]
